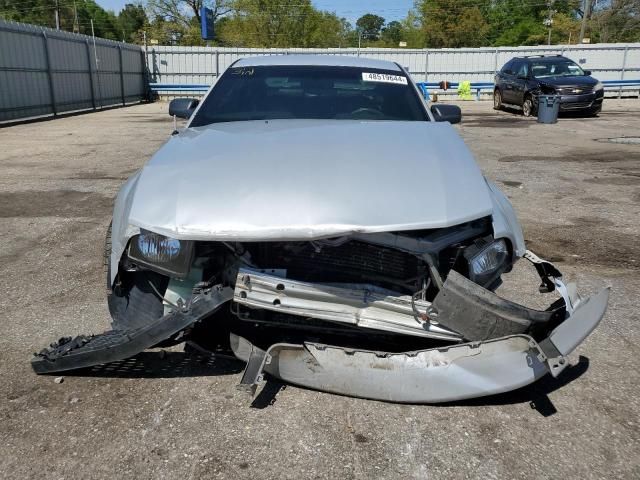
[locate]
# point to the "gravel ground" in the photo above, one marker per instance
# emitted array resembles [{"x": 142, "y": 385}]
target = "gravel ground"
[{"x": 179, "y": 416}]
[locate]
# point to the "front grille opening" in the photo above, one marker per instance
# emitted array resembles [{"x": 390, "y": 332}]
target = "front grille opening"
[{"x": 352, "y": 262}]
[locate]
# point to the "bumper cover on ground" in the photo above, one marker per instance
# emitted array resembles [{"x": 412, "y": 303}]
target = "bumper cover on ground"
[{"x": 428, "y": 376}]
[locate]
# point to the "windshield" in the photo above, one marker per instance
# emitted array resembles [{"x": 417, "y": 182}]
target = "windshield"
[
  {"x": 310, "y": 92},
  {"x": 558, "y": 68}
]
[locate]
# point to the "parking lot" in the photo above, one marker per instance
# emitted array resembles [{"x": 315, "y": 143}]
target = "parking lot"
[{"x": 173, "y": 415}]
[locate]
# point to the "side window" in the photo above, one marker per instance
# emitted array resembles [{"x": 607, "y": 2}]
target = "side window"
[
  {"x": 523, "y": 70},
  {"x": 515, "y": 67},
  {"x": 508, "y": 68}
]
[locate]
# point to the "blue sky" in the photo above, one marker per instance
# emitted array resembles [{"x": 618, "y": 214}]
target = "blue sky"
[{"x": 350, "y": 9}]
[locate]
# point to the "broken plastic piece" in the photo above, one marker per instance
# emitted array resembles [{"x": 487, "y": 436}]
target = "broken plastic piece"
[{"x": 86, "y": 351}]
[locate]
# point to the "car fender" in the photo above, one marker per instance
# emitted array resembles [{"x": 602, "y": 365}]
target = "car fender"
[
  {"x": 505, "y": 221},
  {"x": 121, "y": 230}
]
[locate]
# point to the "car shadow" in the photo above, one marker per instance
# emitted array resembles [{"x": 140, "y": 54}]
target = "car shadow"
[
  {"x": 536, "y": 394},
  {"x": 570, "y": 114},
  {"x": 163, "y": 364}
]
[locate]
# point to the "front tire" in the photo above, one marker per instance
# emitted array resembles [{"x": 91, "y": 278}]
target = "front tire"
[
  {"x": 594, "y": 112},
  {"x": 528, "y": 108},
  {"x": 497, "y": 100}
]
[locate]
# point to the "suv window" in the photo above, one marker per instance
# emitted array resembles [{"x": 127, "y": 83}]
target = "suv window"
[
  {"x": 522, "y": 70},
  {"x": 508, "y": 68},
  {"x": 515, "y": 66}
]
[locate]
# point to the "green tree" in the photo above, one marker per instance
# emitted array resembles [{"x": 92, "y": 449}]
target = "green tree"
[
  {"x": 392, "y": 34},
  {"x": 370, "y": 25},
  {"x": 412, "y": 31},
  {"x": 187, "y": 12},
  {"x": 42, "y": 12},
  {"x": 616, "y": 21},
  {"x": 177, "y": 22},
  {"x": 132, "y": 20},
  {"x": 281, "y": 23},
  {"x": 522, "y": 23},
  {"x": 450, "y": 23}
]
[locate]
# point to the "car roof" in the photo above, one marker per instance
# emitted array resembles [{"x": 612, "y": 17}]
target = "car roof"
[
  {"x": 316, "y": 60},
  {"x": 542, "y": 58}
]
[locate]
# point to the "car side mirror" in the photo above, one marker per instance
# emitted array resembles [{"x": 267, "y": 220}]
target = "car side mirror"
[
  {"x": 587, "y": 72},
  {"x": 446, "y": 113},
  {"x": 183, "y": 107}
]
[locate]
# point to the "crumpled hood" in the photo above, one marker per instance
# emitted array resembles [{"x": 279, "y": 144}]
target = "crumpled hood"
[{"x": 295, "y": 180}]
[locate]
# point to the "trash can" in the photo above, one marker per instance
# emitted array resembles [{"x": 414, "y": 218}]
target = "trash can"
[{"x": 548, "y": 107}]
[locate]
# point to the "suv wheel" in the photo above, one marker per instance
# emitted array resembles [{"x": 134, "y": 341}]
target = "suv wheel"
[
  {"x": 497, "y": 100},
  {"x": 528, "y": 108}
]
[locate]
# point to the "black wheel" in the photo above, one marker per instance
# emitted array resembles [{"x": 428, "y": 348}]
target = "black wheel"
[
  {"x": 528, "y": 108},
  {"x": 595, "y": 112},
  {"x": 497, "y": 100}
]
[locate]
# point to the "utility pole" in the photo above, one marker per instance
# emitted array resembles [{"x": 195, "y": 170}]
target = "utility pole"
[
  {"x": 76, "y": 27},
  {"x": 57, "y": 17},
  {"x": 585, "y": 17},
  {"x": 361, "y": 35},
  {"x": 549, "y": 20}
]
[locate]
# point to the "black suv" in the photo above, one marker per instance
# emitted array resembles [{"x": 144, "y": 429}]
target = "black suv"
[{"x": 522, "y": 79}]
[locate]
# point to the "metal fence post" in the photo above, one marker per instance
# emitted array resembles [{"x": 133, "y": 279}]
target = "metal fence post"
[
  {"x": 144, "y": 74},
  {"x": 426, "y": 65},
  {"x": 47, "y": 56},
  {"x": 624, "y": 66},
  {"x": 217, "y": 64},
  {"x": 121, "y": 76},
  {"x": 495, "y": 61},
  {"x": 93, "y": 93}
]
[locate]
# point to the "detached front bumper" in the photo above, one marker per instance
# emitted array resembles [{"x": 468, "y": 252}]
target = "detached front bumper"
[
  {"x": 492, "y": 345},
  {"x": 457, "y": 372}
]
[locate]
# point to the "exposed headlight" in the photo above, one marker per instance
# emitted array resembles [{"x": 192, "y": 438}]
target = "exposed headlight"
[
  {"x": 158, "y": 248},
  {"x": 599, "y": 86},
  {"x": 160, "y": 253},
  {"x": 487, "y": 262}
]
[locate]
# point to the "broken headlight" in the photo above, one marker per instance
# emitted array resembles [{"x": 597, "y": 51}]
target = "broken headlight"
[
  {"x": 487, "y": 261},
  {"x": 161, "y": 254}
]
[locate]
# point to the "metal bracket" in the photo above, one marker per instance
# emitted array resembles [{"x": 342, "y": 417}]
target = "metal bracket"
[
  {"x": 253, "y": 375},
  {"x": 546, "y": 270},
  {"x": 549, "y": 354}
]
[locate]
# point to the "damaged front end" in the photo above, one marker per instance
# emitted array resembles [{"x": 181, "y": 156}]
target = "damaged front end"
[{"x": 406, "y": 316}]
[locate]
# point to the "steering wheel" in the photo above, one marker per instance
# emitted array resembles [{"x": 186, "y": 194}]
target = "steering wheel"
[{"x": 370, "y": 111}]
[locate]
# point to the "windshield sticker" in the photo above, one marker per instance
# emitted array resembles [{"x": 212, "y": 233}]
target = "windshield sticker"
[
  {"x": 243, "y": 71},
  {"x": 384, "y": 78}
]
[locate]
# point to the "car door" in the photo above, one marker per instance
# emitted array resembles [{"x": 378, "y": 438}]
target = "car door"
[
  {"x": 508, "y": 79},
  {"x": 520, "y": 82}
]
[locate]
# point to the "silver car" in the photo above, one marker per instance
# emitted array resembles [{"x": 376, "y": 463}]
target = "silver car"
[{"x": 321, "y": 221}]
